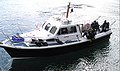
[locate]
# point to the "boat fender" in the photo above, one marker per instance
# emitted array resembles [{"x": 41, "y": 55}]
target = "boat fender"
[
  {"x": 33, "y": 40},
  {"x": 40, "y": 42},
  {"x": 58, "y": 41},
  {"x": 44, "y": 43}
]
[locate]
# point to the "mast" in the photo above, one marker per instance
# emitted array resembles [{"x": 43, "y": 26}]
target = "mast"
[{"x": 68, "y": 7}]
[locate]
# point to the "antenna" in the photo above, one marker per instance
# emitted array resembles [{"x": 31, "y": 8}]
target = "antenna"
[
  {"x": 19, "y": 28},
  {"x": 68, "y": 7}
]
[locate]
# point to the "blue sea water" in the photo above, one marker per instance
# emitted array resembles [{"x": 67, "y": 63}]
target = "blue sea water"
[{"x": 19, "y": 16}]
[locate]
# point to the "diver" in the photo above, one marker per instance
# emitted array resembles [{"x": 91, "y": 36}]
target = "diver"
[
  {"x": 95, "y": 26},
  {"x": 89, "y": 32},
  {"x": 86, "y": 29},
  {"x": 105, "y": 26}
]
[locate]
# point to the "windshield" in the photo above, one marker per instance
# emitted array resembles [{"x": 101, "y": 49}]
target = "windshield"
[
  {"x": 67, "y": 30},
  {"x": 47, "y": 26}
]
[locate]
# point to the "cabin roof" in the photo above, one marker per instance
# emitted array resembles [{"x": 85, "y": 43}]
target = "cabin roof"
[{"x": 61, "y": 22}]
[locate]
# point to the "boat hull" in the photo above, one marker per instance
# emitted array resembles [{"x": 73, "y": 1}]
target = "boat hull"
[{"x": 17, "y": 52}]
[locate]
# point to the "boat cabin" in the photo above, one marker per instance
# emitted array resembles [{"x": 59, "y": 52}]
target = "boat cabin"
[
  {"x": 55, "y": 30},
  {"x": 62, "y": 29}
]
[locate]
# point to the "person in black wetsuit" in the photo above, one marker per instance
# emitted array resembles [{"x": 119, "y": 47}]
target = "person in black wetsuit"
[
  {"x": 86, "y": 28},
  {"x": 89, "y": 32},
  {"x": 95, "y": 26},
  {"x": 105, "y": 26}
]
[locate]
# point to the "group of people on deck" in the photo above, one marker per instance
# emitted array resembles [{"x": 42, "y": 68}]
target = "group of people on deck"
[{"x": 90, "y": 30}]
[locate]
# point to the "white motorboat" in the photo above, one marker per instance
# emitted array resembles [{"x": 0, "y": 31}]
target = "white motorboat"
[{"x": 57, "y": 35}]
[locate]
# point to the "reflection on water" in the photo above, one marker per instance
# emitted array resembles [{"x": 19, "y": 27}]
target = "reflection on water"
[
  {"x": 5, "y": 61},
  {"x": 85, "y": 59}
]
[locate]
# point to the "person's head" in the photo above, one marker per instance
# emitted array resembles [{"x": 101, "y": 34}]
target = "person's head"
[
  {"x": 94, "y": 20},
  {"x": 105, "y": 21},
  {"x": 17, "y": 34}
]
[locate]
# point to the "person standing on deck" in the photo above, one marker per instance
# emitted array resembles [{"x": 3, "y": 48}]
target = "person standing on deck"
[
  {"x": 89, "y": 32},
  {"x": 105, "y": 26},
  {"x": 95, "y": 26}
]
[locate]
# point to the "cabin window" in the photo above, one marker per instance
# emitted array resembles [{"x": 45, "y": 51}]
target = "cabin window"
[
  {"x": 67, "y": 30},
  {"x": 72, "y": 29},
  {"x": 63, "y": 31},
  {"x": 53, "y": 29},
  {"x": 43, "y": 24},
  {"x": 47, "y": 26}
]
